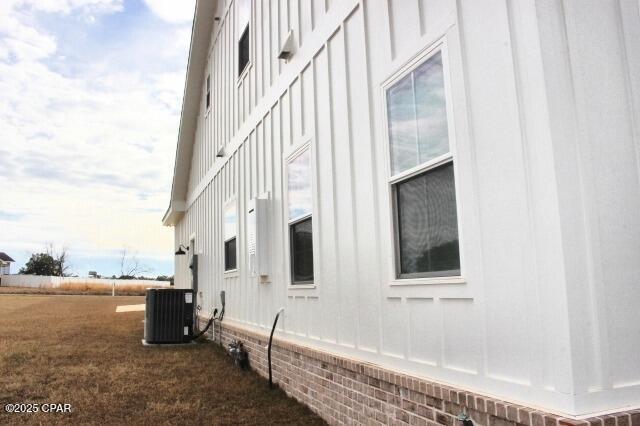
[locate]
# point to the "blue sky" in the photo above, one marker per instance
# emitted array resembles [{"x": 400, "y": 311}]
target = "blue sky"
[{"x": 90, "y": 98}]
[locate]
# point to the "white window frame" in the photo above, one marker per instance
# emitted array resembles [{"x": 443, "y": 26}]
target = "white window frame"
[
  {"x": 240, "y": 74},
  {"x": 231, "y": 272},
  {"x": 392, "y": 180},
  {"x": 289, "y": 156}
]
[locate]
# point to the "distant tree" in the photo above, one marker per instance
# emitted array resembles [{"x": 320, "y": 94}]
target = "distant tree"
[
  {"x": 61, "y": 259},
  {"x": 52, "y": 263},
  {"x": 130, "y": 265},
  {"x": 40, "y": 264}
]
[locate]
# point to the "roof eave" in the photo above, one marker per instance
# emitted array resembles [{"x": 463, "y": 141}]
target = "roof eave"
[
  {"x": 174, "y": 213},
  {"x": 198, "y": 51}
]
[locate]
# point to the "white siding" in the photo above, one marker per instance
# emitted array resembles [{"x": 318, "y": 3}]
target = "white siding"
[{"x": 546, "y": 150}]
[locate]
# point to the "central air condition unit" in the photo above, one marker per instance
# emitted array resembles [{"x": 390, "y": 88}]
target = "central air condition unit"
[{"x": 168, "y": 316}]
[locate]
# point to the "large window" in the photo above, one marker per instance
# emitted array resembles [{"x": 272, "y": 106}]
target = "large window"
[
  {"x": 426, "y": 226},
  {"x": 299, "y": 196},
  {"x": 244, "y": 42},
  {"x": 230, "y": 236}
]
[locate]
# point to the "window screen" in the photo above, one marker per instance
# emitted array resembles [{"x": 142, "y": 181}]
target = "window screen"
[
  {"x": 301, "y": 251},
  {"x": 427, "y": 224},
  {"x": 230, "y": 255}
]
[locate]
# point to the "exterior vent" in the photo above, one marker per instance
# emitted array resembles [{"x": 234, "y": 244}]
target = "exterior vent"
[
  {"x": 168, "y": 316},
  {"x": 288, "y": 47}
]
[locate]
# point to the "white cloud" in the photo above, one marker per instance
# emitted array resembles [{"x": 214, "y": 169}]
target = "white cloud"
[
  {"x": 172, "y": 10},
  {"x": 68, "y": 6},
  {"x": 89, "y": 154}
]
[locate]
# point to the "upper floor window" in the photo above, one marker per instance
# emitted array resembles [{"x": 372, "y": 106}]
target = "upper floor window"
[
  {"x": 230, "y": 236},
  {"x": 244, "y": 18},
  {"x": 422, "y": 174},
  {"x": 300, "y": 206},
  {"x": 208, "y": 98}
]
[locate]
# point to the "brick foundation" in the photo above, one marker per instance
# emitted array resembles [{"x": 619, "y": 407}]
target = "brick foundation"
[{"x": 341, "y": 390}]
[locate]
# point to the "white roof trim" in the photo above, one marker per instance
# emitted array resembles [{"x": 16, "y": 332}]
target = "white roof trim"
[{"x": 200, "y": 39}]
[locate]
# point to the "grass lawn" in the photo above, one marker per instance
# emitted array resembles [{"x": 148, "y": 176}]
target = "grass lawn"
[{"x": 77, "y": 350}]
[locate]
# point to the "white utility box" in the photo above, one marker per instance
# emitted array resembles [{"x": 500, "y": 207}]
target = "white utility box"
[{"x": 258, "y": 239}]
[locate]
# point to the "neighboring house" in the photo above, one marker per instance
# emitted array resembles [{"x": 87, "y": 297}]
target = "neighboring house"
[
  {"x": 437, "y": 192},
  {"x": 5, "y": 263}
]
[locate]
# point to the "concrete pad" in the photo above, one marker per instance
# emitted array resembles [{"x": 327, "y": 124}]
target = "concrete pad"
[
  {"x": 144, "y": 343},
  {"x": 130, "y": 308}
]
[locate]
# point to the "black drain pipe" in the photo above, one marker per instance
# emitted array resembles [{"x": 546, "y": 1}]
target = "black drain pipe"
[
  {"x": 275, "y": 322},
  {"x": 211, "y": 319}
]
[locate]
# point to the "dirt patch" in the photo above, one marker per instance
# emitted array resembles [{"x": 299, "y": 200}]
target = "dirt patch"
[{"x": 76, "y": 350}]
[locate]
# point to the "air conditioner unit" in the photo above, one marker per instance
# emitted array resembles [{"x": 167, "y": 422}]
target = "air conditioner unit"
[
  {"x": 258, "y": 237},
  {"x": 168, "y": 316}
]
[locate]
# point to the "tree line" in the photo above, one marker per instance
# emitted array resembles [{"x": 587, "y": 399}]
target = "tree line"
[{"x": 53, "y": 262}]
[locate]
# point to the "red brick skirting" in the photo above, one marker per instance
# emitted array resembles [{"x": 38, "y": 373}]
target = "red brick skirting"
[{"x": 342, "y": 390}]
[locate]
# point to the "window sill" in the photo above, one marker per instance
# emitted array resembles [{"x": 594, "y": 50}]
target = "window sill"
[
  {"x": 231, "y": 273},
  {"x": 244, "y": 73},
  {"x": 301, "y": 286},
  {"x": 400, "y": 282}
]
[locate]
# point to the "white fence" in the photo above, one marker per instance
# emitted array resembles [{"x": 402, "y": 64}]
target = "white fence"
[{"x": 39, "y": 281}]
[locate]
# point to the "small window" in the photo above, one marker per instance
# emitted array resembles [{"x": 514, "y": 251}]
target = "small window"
[
  {"x": 208, "y": 99},
  {"x": 243, "y": 34},
  {"x": 230, "y": 236},
  {"x": 299, "y": 196},
  {"x": 230, "y": 255},
  {"x": 302, "y": 251},
  {"x": 243, "y": 51},
  {"x": 422, "y": 169}
]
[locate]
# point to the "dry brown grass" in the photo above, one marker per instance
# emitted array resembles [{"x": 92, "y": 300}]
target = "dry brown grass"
[
  {"x": 79, "y": 288},
  {"x": 77, "y": 350}
]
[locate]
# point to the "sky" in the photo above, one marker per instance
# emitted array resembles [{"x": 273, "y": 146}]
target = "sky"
[{"x": 90, "y": 99}]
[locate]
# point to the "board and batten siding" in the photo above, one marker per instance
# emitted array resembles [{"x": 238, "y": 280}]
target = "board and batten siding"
[{"x": 549, "y": 244}]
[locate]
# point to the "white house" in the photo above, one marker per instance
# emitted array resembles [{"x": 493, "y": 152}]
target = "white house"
[
  {"x": 5, "y": 263},
  {"x": 443, "y": 195}
]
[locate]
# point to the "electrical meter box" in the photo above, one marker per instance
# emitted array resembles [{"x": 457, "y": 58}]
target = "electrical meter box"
[{"x": 258, "y": 238}]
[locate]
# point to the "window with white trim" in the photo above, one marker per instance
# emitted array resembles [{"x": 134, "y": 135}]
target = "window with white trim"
[
  {"x": 243, "y": 35},
  {"x": 422, "y": 177},
  {"x": 230, "y": 236},
  {"x": 300, "y": 210}
]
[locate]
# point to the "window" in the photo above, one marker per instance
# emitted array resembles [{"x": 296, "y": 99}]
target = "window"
[
  {"x": 300, "y": 223},
  {"x": 208, "y": 98},
  {"x": 243, "y": 51},
  {"x": 230, "y": 255},
  {"x": 423, "y": 186},
  {"x": 230, "y": 235},
  {"x": 244, "y": 17}
]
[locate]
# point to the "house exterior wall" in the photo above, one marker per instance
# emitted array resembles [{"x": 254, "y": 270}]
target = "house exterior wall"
[{"x": 547, "y": 193}]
